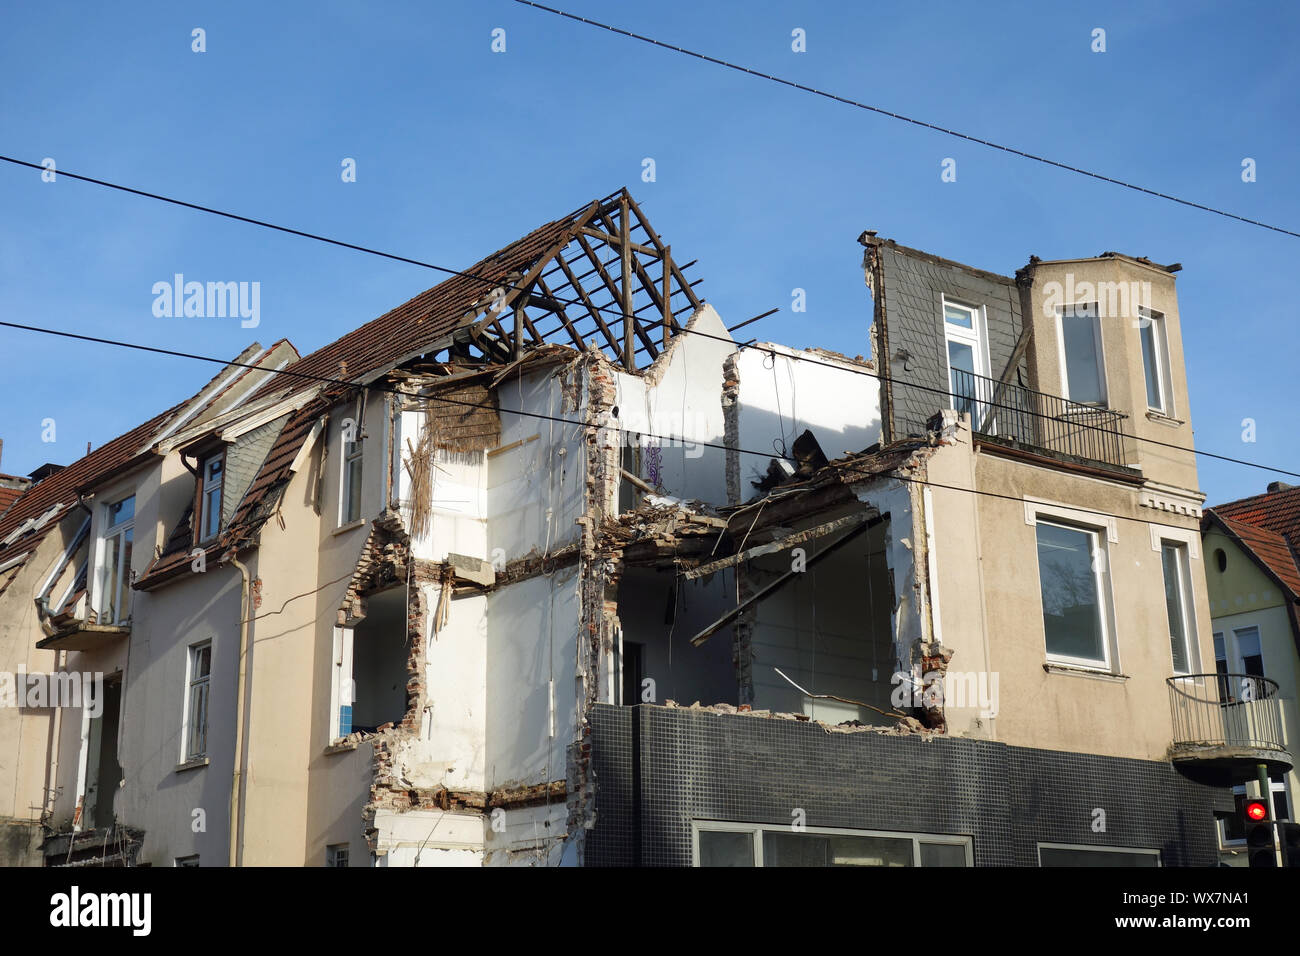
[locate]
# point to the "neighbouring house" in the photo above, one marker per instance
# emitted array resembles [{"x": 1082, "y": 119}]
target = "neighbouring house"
[
  {"x": 543, "y": 567},
  {"x": 1254, "y": 584}
]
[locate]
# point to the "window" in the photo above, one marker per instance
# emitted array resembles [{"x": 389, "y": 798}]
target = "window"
[
  {"x": 213, "y": 475},
  {"x": 342, "y": 684},
  {"x": 967, "y": 367},
  {"x": 196, "y": 701},
  {"x": 368, "y": 688},
  {"x": 350, "y": 489},
  {"x": 746, "y": 845},
  {"x": 1071, "y": 577},
  {"x": 336, "y": 855},
  {"x": 1178, "y": 604},
  {"x": 1083, "y": 369},
  {"x": 1239, "y": 652},
  {"x": 1059, "y": 854},
  {"x": 115, "y": 569},
  {"x": 188, "y": 860},
  {"x": 1155, "y": 360}
]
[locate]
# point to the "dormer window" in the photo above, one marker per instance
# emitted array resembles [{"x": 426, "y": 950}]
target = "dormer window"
[
  {"x": 212, "y": 478},
  {"x": 115, "y": 568}
]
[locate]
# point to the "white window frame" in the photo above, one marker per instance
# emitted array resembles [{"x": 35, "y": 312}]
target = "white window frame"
[
  {"x": 950, "y": 839},
  {"x": 347, "y": 458},
  {"x": 342, "y": 685},
  {"x": 1103, "y": 535},
  {"x": 110, "y": 537},
  {"x": 1141, "y": 850},
  {"x": 1150, "y": 318},
  {"x": 974, "y": 337},
  {"x": 1186, "y": 600},
  {"x": 187, "y": 861},
  {"x": 1095, "y": 310},
  {"x": 204, "y": 686},
  {"x": 206, "y": 488}
]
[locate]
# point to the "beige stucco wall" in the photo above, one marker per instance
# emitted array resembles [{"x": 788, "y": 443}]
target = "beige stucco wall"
[
  {"x": 991, "y": 609},
  {"x": 25, "y": 734},
  {"x": 1122, "y": 355}
]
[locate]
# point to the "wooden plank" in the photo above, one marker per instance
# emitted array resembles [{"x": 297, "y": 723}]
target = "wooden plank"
[
  {"x": 591, "y": 307},
  {"x": 625, "y": 274}
]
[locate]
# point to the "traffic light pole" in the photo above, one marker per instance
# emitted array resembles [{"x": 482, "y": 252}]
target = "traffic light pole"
[{"x": 1266, "y": 794}]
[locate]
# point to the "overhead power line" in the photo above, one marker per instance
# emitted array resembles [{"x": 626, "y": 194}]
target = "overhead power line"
[
  {"x": 675, "y": 439},
  {"x": 907, "y": 119},
  {"x": 611, "y": 310}
]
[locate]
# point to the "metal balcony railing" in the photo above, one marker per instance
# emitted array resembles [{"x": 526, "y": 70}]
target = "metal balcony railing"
[
  {"x": 1235, "y": 711},
  {"x": 1020, "y": 416}
]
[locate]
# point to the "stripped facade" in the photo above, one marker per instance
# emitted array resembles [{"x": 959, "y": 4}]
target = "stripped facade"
[{"x": 457, "y": 588}]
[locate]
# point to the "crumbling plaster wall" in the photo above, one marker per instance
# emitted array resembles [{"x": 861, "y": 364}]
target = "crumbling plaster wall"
[
  {"x": 779, "y": 392},
  {"x": 535, "y": 477},
  {"x": 677, "y": 397}
]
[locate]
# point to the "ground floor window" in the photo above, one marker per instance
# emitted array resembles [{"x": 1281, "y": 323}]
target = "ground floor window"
[
  {"x": 1061, "y": 854},
  {"x": 720, "y": 843}
]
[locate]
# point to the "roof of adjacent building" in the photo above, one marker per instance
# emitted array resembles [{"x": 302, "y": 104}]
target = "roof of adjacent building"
[
  {"x": 1277, "y": 511},
  {"x": 63, "y": 488},
  {"x": 1267, "y": 527}
]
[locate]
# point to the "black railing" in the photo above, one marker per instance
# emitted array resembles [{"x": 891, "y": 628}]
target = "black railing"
[
  {"x": 1226, "y": 710},
  {"x": 1037, "y": 421}
]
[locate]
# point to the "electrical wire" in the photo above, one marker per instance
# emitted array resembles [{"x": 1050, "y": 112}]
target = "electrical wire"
[
  {"x": 608, "y": 309},
  {"x": 538, "y": 415},
  {"x": 908, "y": 119}
]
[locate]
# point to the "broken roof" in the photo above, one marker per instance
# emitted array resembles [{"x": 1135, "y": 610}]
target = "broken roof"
[
  {"x": 493, "y": 313},
  {"x": 588, "y": 275}
]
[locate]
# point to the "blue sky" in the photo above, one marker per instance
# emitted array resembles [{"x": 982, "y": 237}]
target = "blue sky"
[{"x": 460, "y": 150}]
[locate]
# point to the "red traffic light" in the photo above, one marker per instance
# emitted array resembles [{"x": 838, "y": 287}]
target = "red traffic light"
[{"x": 1256, "y": 810}]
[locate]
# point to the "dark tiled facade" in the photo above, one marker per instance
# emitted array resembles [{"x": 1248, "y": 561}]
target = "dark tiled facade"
[
  {"x": 682, "y": 765},
  {"x": 915, "y": 286}
]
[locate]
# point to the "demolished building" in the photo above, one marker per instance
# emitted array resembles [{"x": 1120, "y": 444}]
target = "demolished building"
[{"x": 543, "y": 567}]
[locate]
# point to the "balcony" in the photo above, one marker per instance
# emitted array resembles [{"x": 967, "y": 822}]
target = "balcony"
[
  {"x": 1042, "y": 425},
  {"x": 1225, "y": 725}
]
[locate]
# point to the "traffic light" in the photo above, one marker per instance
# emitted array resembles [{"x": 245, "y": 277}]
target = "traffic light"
[
  {"x": 1289, "y": 835},
  {"x": 1261, "y": 847}
]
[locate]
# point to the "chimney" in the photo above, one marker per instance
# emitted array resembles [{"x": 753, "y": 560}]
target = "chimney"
[{"x": 1275, "y": 486}]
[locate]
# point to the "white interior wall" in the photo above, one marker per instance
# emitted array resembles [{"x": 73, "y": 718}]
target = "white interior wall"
[
  {"x": 451, "y": 748},
  {"x": 459, "y": 499},
  {"x": 686, "y": 403},
  {"x": 783, "y": 394},
  {"x": 680, "y": 672},
  {"x": 828, "y": 630},
  {"x": 532, "y": 660},
  {"x": 428, "y": 838},
  {"x": 528, "y": 836},
  {"x": 534, "y": 489}
]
